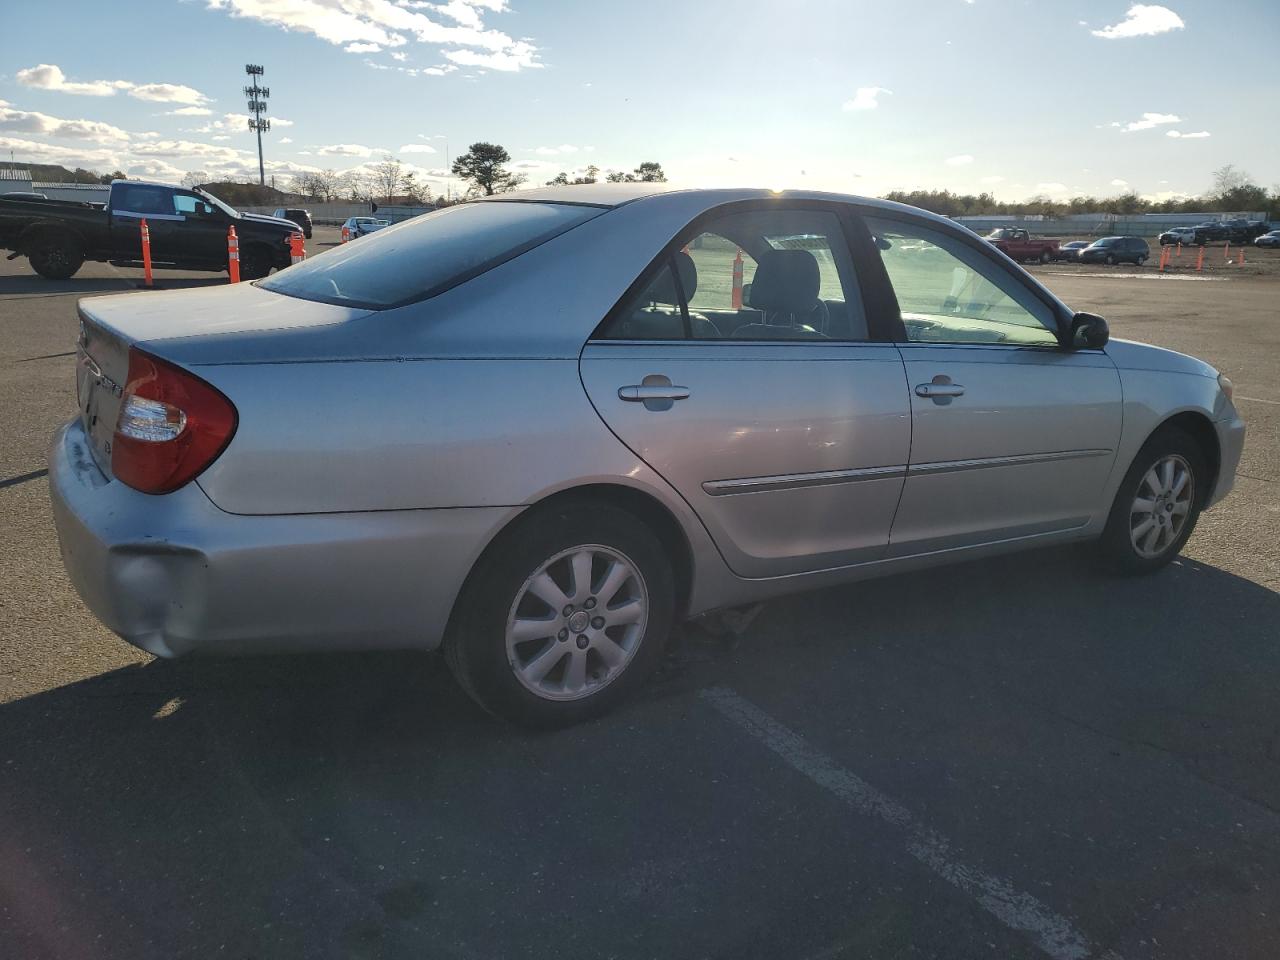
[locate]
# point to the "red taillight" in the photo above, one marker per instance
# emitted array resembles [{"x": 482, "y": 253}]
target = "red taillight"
[{"x": 171, "y": 426}]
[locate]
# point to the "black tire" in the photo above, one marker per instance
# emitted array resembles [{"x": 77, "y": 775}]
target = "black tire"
[
  {"x": 476, "y": 643},
  {"x": 56, "y": 258},
  {"x": 1117, "y": 545},
  {"x": 1111, "y": 260},
  {"x": 255, "y": 263},
  {"x": 1044, "y": 257},
  {"x": 1140, "y": 261}
]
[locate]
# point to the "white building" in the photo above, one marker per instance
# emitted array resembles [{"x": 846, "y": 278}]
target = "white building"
[{"x": 19, "y": 181}]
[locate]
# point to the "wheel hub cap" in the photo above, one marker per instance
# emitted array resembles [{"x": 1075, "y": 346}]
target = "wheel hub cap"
[
  {"x": 592, "y": 594},
  {"x": 1161, "y": 506}
]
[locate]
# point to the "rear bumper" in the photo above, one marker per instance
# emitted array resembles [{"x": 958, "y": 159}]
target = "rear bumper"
[
  {"x": 174, "y": 574},
  {"x": 1230, "y": 447}
]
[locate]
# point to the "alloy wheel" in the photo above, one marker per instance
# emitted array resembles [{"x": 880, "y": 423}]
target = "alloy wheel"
[
  {"x": 577, "y": 622},
  {"x": 1161, "y": 506}
]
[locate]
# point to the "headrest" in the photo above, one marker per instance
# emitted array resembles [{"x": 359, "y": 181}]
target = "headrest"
[
  {"x": 662, "y": 290},
  {"x": 786, "y": 281}
]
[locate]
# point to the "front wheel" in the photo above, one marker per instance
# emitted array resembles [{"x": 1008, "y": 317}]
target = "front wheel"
[
  {"x": 1111, "y": 260},
  {"x": 56, "y": 258},
  {"x": 255, "y": 263},
  {"x": 1140, "y": 261},
  {"x": 564, "y": 618},
  {"x": 1157, "y": 505},
  {"x": 1044, "y": 257}
]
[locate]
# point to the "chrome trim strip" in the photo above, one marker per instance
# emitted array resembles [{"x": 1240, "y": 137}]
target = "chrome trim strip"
[
  {"x": 724, "y": 488},
  {"x": 955, "y": 466}
]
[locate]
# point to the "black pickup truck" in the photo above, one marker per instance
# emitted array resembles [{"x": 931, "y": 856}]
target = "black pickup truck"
[{"x": 188, "y": 230}]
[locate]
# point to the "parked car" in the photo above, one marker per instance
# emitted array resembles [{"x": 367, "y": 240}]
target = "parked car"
[
  {"x": 188, "y": 230},
  {"x": 1071, "y": 251},
  {"x": 20, "y": 195},
  {"x": 1021, "y": 246},
  {"x": 532, "y": 430},
  {"x": 1184, "y": 235},
  {"x": 1210, "y": 231},
  {"x": 1116, "y": 250},
  {"x": 299, "y": 216},
  {"x": 356, "y": 227},
  {"x": 1241, "y": 230},
  {"x": 1271, "y": 239}
]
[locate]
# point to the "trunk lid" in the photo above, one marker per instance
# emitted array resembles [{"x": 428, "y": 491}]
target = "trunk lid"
[{"x": 164, "y": 323}]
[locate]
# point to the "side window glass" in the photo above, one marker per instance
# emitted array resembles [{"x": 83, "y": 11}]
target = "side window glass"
[
  {"x": 773, "y": 274},
  {"x": 653, "y": 314},
  {"x": 142, "y": 199},
  {"x": 191, "y": 206},
  {"x": 949, "y": 293}
]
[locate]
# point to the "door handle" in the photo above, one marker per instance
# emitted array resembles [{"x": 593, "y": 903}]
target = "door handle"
[
  {"x": 940, "y": 389},
  {"x": 637, "y": 393}
]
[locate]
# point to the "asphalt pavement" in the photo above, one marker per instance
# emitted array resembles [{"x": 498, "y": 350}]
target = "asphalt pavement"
[{"x": 1016, "y": 758}]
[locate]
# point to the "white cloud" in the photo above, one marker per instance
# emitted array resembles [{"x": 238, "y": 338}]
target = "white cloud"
[
  {"x": 1051, "y": 187},
  {"x": 235, "y": 123},
  {"x": 864, "y": 98},
  {"x": 346, "y": 150},
  {"x": 387, "y": 24},
  {"x": 1148, "y": 121},
  {"x": 185, "y": 150},
  {"x": 402, "y": 57},
  {"x": 154, "y": 170},
  {"x": 417, "y": 148},
  {"x": 283, "y": 140},
  {"x": 1198, "y": 135},
  {"x": 49, "y": 76},
  {"x": 189, "y": 112},
  {"x": 556, "y": 151},
  {"x": 960, "y": 160},
  {"x": 363, "y": 48},
  {"x": 439, "y": 71},
  {"x": 994, "y": 178},
  {"x": 1142, "y": 20},
  {"x": 28, "y": 121},
  {"x": 1117, "y": 182}
]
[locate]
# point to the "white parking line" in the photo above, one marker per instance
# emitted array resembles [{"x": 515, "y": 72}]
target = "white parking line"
[
  {"x": 1054, "y": 934},
  {"x": 1259, "y": 400}
]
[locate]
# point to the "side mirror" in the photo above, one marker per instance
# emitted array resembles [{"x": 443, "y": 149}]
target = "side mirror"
[{"x": 1089, "y": 332}]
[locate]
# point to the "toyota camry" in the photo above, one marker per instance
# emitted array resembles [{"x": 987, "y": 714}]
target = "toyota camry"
[{"x": 539, "y": 430}]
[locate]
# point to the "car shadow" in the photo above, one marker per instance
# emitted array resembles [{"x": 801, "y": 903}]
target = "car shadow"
[
  {"x": 39, "y": 286},
  {"x": 179, "y": 804}
]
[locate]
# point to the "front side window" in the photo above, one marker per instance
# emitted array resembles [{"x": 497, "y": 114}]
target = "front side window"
[
  {"x": 185, "y": 203},
  {"x": 428, "y": 254},
  {"x": 949, "y": 293},
  {"x": 770, "y": 274}
]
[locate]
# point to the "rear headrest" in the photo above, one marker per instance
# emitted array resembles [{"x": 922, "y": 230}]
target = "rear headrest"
[
  {"x": 786, "y": 281},
  {"x": 662, "y": 290}
]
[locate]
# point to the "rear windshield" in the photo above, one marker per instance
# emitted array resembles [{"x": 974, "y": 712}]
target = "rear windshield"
[{"x": 427, "y": 255}]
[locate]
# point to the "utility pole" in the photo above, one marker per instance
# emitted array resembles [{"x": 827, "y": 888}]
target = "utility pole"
[{"x": 258, "y": 106}]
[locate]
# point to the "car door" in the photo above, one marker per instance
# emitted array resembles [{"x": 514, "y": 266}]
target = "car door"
[
  {"x": 743, "y": 369},
  {"x": 1012, "y": 435},
  {"x": 131, "y": 203},
  {"x": 204, "y": 230}
]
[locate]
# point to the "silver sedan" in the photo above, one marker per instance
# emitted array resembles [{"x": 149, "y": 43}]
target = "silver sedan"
[{"x": 539, "y": 430}]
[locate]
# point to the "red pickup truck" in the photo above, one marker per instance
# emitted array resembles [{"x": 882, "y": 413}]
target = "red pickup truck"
[{"x": 1021, "y": 246}]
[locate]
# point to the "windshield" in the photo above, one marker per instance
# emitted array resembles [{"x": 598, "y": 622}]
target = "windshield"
[
  {"x": 1107, "y": 242},
  {"x": 1001, "y": 233},
  {"x": 228, "y": 210},
  {"x": 427, "y": 255}
]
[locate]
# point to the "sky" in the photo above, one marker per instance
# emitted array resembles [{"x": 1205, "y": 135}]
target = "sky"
[{"x": 1015, "y": 97}]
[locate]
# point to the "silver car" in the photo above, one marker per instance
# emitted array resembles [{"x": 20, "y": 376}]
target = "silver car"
[{"x": 540, "y": 429}]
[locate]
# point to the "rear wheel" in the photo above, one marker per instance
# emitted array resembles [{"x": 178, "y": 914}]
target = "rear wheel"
[
  {"x": 1111, "y": 260},
  {"x": 1141, "y": 260},
  {"x": 56, "y": 258},
  {"x": 1044, "y": 256},
  {"x": 564, "y": 618},
  {"x": 1157, "y": 505}
]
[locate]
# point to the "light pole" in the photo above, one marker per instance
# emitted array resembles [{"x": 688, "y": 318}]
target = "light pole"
[{"x": 258, "y": 106}]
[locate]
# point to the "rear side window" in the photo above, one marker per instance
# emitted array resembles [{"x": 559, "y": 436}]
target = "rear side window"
[{"x": 427, "y": 255}]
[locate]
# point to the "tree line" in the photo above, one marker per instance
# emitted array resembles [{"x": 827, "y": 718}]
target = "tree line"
[{"x": 1230, "y": 190}]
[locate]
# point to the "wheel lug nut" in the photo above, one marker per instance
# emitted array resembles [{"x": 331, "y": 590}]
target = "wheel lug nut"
[
  {"x": 591, "y": 603},
  {"x": 567, "y": 610},
  {"x": 583, "y": 642},
  {"x": 563, "y": 635},
  {"x": 597, "y": 622}
]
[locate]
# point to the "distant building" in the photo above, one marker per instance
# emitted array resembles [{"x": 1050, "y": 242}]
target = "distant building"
[{"x": 19, "y": 181}]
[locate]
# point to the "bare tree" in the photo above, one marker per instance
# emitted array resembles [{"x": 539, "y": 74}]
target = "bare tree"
[
  {"x": 415, "y": 191},
  {"x": 387, "y": 177},
  {"x": 194, "y": 178}
]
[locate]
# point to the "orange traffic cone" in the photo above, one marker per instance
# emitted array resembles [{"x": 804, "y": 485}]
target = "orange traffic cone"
[
  {"x": 346, "y": 233},
  {"x": 735, "y": 299},
  {"x": 146, "y": 253},
  {"x": 1200, "y": 259},
  {"x": 233, "y": 255},
  {"x": 297, "y": 248}
]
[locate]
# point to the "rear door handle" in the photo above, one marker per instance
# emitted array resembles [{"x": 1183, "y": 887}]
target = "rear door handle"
[{"x": 637, "y": 393}]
